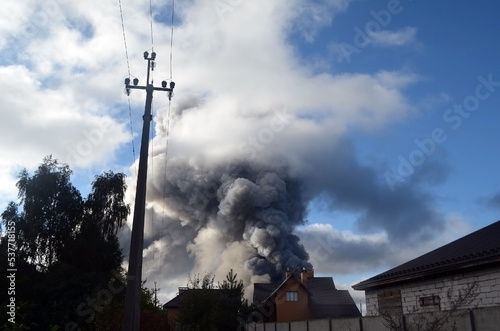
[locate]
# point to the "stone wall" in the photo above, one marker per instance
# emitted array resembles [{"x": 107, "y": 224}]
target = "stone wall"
[{"x": 434, "y": 294}]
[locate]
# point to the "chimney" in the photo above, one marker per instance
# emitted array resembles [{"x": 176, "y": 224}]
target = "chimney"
[
  {"x": 306, "y": 274},
  {"x": 182, "y": 289}
]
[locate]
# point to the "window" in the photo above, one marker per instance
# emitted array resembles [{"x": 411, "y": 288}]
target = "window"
[
  {"x": 292, "y": 296},
  {"x": 432, "y": 300}
]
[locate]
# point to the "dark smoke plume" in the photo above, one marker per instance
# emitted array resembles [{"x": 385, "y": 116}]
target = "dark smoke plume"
[{"x": 246, "y": 202}]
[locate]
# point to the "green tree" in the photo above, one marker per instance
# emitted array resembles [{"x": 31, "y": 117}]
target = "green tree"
[
  {"x": 207, "y": 306},
  {"x": 68, "y": 249},
  {"x": 51, "y": 211},
  {"x": 105, "y": 205},
  {"x": 153, "y": 318}
]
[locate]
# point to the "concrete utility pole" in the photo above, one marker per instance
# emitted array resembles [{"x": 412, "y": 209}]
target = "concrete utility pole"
[{"x": 132, "y": 313}]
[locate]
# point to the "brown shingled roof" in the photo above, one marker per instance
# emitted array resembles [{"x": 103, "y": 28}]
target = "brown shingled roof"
[
  {"x": 478, "y": 248},
  {"x": 325, "y": 301},
  {"x": 261, "y": 291}
]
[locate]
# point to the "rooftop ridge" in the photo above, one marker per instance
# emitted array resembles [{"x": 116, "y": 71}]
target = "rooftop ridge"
[{"x": 473, "y": 248}]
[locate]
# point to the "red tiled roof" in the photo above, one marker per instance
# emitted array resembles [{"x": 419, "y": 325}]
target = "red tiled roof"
[{"x": 478, "y": 248}]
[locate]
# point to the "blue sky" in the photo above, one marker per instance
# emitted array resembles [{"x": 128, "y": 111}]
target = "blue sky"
[
  {"x": 452, "y": 47},
  {"x": 386, "y": 111}
]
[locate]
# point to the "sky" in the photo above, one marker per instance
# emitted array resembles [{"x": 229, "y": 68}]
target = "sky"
[{"x": 346, "y": 135}]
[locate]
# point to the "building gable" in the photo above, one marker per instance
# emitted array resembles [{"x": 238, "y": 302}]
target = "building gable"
[
  {"x": 480, "y": 248},
  {"x": 304, "y": 296},
  {"x": 463, "y": 274},
  {"x": 292, "y": 301}
]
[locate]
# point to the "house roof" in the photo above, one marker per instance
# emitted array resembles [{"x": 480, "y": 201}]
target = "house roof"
[
  {"x": 176, "y": 301},
  {"x": 292, "y": 276},
  {"x": 324, "y": 299},
  {"x": 479, "y": 248},
  {"x": 262, "y": 291}
]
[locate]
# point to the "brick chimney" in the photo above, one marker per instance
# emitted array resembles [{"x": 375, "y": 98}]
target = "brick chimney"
[
  {"x": 306, "y": 274},
  {"x": 182, "y": 289}
]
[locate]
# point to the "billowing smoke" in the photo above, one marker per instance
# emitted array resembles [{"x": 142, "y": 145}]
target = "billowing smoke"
[
  {"x": 246, "y": 202},
  {"x": 256, "y": 133},
  {"x": 221, "y": 199},
  {"x": 217, "y": 202}
]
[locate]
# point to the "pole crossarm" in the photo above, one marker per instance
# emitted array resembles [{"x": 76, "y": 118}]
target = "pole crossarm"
[
  {"x": 149, "y": 87},
  {"x": 132, "y": 313}
]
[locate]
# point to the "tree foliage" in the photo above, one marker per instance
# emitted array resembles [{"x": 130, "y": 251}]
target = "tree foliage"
[
  {"x": 105, "y": 205},
  {"x": 207, "y": 306},
  {"x": 153, "y": 318},
  {"x": 51, "y": 211},
  {"x": 68, "y": 257}
]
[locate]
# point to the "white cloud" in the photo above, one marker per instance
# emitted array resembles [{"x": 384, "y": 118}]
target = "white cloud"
[
  {"x": 41, "y": 121},
  {"x": 234, "y": 72},
  {"x": 401, "y": 37},
  {"x": 60, "y": 90},
  {"x": 13, "y": 17},
  {"x": 340, "y": 253},
  {"x": 311, "y": 16}
]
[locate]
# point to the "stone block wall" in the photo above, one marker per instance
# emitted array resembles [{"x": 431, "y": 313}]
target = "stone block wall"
[{"x": 434, "y": 294}]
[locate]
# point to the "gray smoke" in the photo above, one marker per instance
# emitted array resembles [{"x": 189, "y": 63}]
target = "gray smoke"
[
  {"x": 255, "y": 204},
  {"x": 254, "y": 137},
  {"x": 212, "y": 207}
]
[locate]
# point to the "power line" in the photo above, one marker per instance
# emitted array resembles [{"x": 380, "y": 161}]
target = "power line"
[
  {"x": 131, "y": 316},
  {"x": 128, "y": 69},
  {"x": 124, "y": 38},
  {"x": 131, "y": 319},
  {"x": 162, "y": 231},
  {"x": 166, "y": 157},
  {"x": 131, "y": 127},
  {"x": 151, "y": 23},
  {"x": 172, "y": 38}
]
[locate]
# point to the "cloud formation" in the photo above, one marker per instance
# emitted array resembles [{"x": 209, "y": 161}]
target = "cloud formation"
[
  {"x": 384, "y": 38},
  {"x": 254, "y": 134}
]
